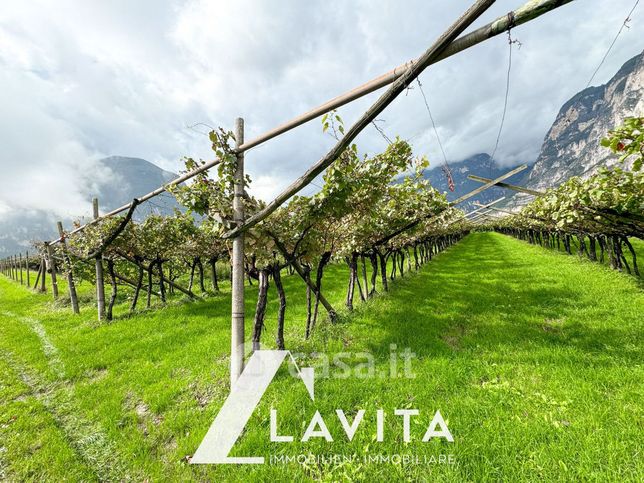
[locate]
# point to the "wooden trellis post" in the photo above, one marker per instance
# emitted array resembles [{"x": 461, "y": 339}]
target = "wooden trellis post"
[
  {"x": 100, "y": 286},
  {"x": 68, "y": 267},
  {"x": 27, "y": 267},
  {"x": 37, "y": 277},
  {"x": 43, "y": 274},
  {"x": 52, "y": 269},
  {"x": 20, "y": 268},
  {"x": 237, "y": 326}
]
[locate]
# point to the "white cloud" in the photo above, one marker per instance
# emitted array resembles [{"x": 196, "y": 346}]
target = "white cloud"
[{"x": 81, "y": 80}]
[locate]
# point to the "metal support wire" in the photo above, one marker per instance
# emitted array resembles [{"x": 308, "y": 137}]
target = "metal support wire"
[
  {"x": 446, "y": 170},
  {"x": 619, "y": 32}
]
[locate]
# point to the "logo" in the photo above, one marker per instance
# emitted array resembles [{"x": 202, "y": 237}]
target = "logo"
[{"x": 246, "y": 394}]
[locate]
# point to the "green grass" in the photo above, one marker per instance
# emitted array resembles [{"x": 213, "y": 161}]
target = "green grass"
[
  {"x": 533, "y": 357},
  {"x": 637, "y": 244}
]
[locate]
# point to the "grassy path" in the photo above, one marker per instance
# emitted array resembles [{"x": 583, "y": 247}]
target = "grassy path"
[{"x": 533, "y": 357}]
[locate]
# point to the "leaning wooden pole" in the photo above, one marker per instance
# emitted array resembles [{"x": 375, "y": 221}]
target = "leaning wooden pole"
[
  {"x": 51, "y": 262},
  {"x": 68, "y": 268},
  {"x": 512, "y": 187},
  {"x": 37, "y": 276},
  {"x": 100, "y": 286},
  {"x": 435, "y": 216},
  {"x": 529, "y": 11},
  {"x": 483, "y": 207},
  {"x": 237, "y": 324},
  {"x": 398, "y": 87}
]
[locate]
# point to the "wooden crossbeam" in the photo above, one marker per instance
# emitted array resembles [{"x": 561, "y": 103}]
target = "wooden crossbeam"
[
  {"x": 397, "y": 88},
  {"x": 525, "y": 13},
  {"x": 512, "y": 187},
  {"x": 482, "y": 207},
  {"x": 477, "y": 216},
  {"x": 500, "y": 210},
  {"x": 433, "y": 217},
  {"x": 529, "y": 11},
  {"x": 488, "y": 184},
  {"x": 483, "y": 215}
]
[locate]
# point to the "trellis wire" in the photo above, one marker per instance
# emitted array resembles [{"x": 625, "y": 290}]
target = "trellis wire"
[{"x": 624, "y": 25}]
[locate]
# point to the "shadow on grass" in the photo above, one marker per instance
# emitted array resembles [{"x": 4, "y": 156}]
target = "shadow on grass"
[{"x": 495, "y": 298}]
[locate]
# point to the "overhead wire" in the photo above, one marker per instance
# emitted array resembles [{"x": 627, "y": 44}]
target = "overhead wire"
[
  {"x": 619, "y": 32},
  {"x": 511, "y": 43},
  {"x": 381, "y": 131},
  {"x": 446, "y": 170}
]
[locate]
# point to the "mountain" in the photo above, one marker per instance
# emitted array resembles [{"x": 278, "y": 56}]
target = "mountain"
[
  {"x": 135, "y": 177},
  {"x": 19, "y": 228},
  {"x": 129, "y": 177},
  {"x": 571, "y": 146},
  {"x": 480, "y": 165}
]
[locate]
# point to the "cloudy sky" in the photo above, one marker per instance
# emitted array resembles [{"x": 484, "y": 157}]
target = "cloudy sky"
[{"x": 84, "y": 79}]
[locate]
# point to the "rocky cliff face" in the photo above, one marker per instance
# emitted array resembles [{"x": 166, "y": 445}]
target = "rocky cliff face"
[{"x": 571, "y": 147}]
